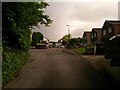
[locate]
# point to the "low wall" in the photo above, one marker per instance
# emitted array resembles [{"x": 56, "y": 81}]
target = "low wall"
[{"x": 89, "y": 51}]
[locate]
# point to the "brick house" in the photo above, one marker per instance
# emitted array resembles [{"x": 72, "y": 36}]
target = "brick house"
[
  {"x": 112, "y": 47},
  {"x": 87, "y": 37},
  {"x": 96, "y": 35},
  {"x": 111, "y": 28}
]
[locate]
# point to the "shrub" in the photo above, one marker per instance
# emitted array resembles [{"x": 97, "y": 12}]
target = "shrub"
[{"x": 12, "y": 62}]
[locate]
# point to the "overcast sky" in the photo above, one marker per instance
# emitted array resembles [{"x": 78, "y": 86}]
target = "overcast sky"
[{"x": 81, "y": 16}]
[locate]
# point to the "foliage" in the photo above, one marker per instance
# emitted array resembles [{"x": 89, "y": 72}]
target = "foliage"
[
  {"x": 83, "y": 40},
  {"x": 18, "y": 20},
  {"x": 12, "y": 62},
  {"x": 40, "y": 36},
  {"x": 79, "y": 40},
  {"x": 36, "y": 37},
  {"x": 66, "y": 38},
  {"x": 75, "y": 41}
]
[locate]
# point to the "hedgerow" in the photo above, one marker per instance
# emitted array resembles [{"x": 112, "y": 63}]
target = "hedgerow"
[{"x": 12, "y": 62}]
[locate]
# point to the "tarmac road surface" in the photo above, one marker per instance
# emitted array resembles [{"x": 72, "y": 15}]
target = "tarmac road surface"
[{"x": 53, "y": 68}]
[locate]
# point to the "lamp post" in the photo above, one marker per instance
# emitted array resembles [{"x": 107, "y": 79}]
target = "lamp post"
[{"x": 68, "y": 29}]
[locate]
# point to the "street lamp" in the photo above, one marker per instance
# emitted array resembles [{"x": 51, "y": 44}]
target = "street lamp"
[{"x": 68, "y": 29}]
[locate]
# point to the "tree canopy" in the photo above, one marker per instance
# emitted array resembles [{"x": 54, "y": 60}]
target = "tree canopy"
[
  {"x": 36, "y": 37},
  {"x": 66, "y": 39},
  {"x": 18, "y": 18},
  {"x": 75, "y": 41}
]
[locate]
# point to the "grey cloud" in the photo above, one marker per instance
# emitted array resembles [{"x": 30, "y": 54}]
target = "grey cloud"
[
  {"x": 119, "y": 10},
  {"x": 78, "y": 32},
  {"x": 92, "y": 12}
]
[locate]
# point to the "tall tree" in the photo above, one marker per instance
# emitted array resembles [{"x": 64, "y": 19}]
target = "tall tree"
[
  {"x": 40, "y": 36},
  {"x": 35, "y": 38},
  {"x": 18, "y": 18}
]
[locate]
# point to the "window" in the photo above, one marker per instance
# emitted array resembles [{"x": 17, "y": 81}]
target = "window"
[
  {"x": 95, "y": 35},
  {"x": 92, "y": 35},
  {"x": 104, "y": 32},
  {"x": 109, "y": 30}
]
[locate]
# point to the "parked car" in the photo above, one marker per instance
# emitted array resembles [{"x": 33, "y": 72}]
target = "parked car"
[
  {"x": 50, "y": 45},
  {"x": 42, "y": 45}
]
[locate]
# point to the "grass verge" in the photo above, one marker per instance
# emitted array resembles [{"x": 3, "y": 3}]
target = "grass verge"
[{"x": 80, "y": 51}]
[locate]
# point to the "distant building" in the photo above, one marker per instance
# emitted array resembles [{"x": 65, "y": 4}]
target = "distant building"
[
  {"x": 46, "y": 40},
  {"x": 57, "y": 45},
  {"x": 111, "y": 27},
  {"x": 87, "y": 37},
  {"x": 96, "y": 35},
  {"x": 60, "y": 40}
]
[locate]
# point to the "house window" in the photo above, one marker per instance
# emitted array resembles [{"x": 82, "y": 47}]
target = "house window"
[
  {"x": 104, "y": 32},
  {"x": 95, "y": 35},
  {"x": 92, "y": 35},
  {"x": 109, "y": 30}
]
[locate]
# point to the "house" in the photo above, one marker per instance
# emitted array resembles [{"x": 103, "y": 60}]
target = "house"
[
  {"x": 60, "y": 40},
  {"x": 46, "y": 39},
  {"x": 96, "y": 35},
  {"x": 87, "y": 37},
  {"x": 58, "y": 45},
  {"x": 111, "y": 27}
]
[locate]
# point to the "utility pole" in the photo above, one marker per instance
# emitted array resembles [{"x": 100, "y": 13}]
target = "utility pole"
[{"x": 68, "y": 29}]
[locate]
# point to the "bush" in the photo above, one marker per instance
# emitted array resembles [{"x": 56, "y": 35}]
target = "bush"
[{"x": 12, "y": 62}]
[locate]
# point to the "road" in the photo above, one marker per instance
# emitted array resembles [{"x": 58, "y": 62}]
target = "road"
[{"x": 53, "y": 68}]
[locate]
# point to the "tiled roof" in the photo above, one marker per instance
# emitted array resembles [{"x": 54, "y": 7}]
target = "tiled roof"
[
  {"x": 96, "y": 29},
  {"x": 113, "y": 21},
  {"x": 86, "y": 32}
]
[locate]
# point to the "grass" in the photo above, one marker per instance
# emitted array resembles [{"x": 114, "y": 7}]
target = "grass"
[{"x": 80, "y": 51}]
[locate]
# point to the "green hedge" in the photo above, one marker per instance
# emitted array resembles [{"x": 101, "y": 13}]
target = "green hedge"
[{"x": 12, "y": 62}]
